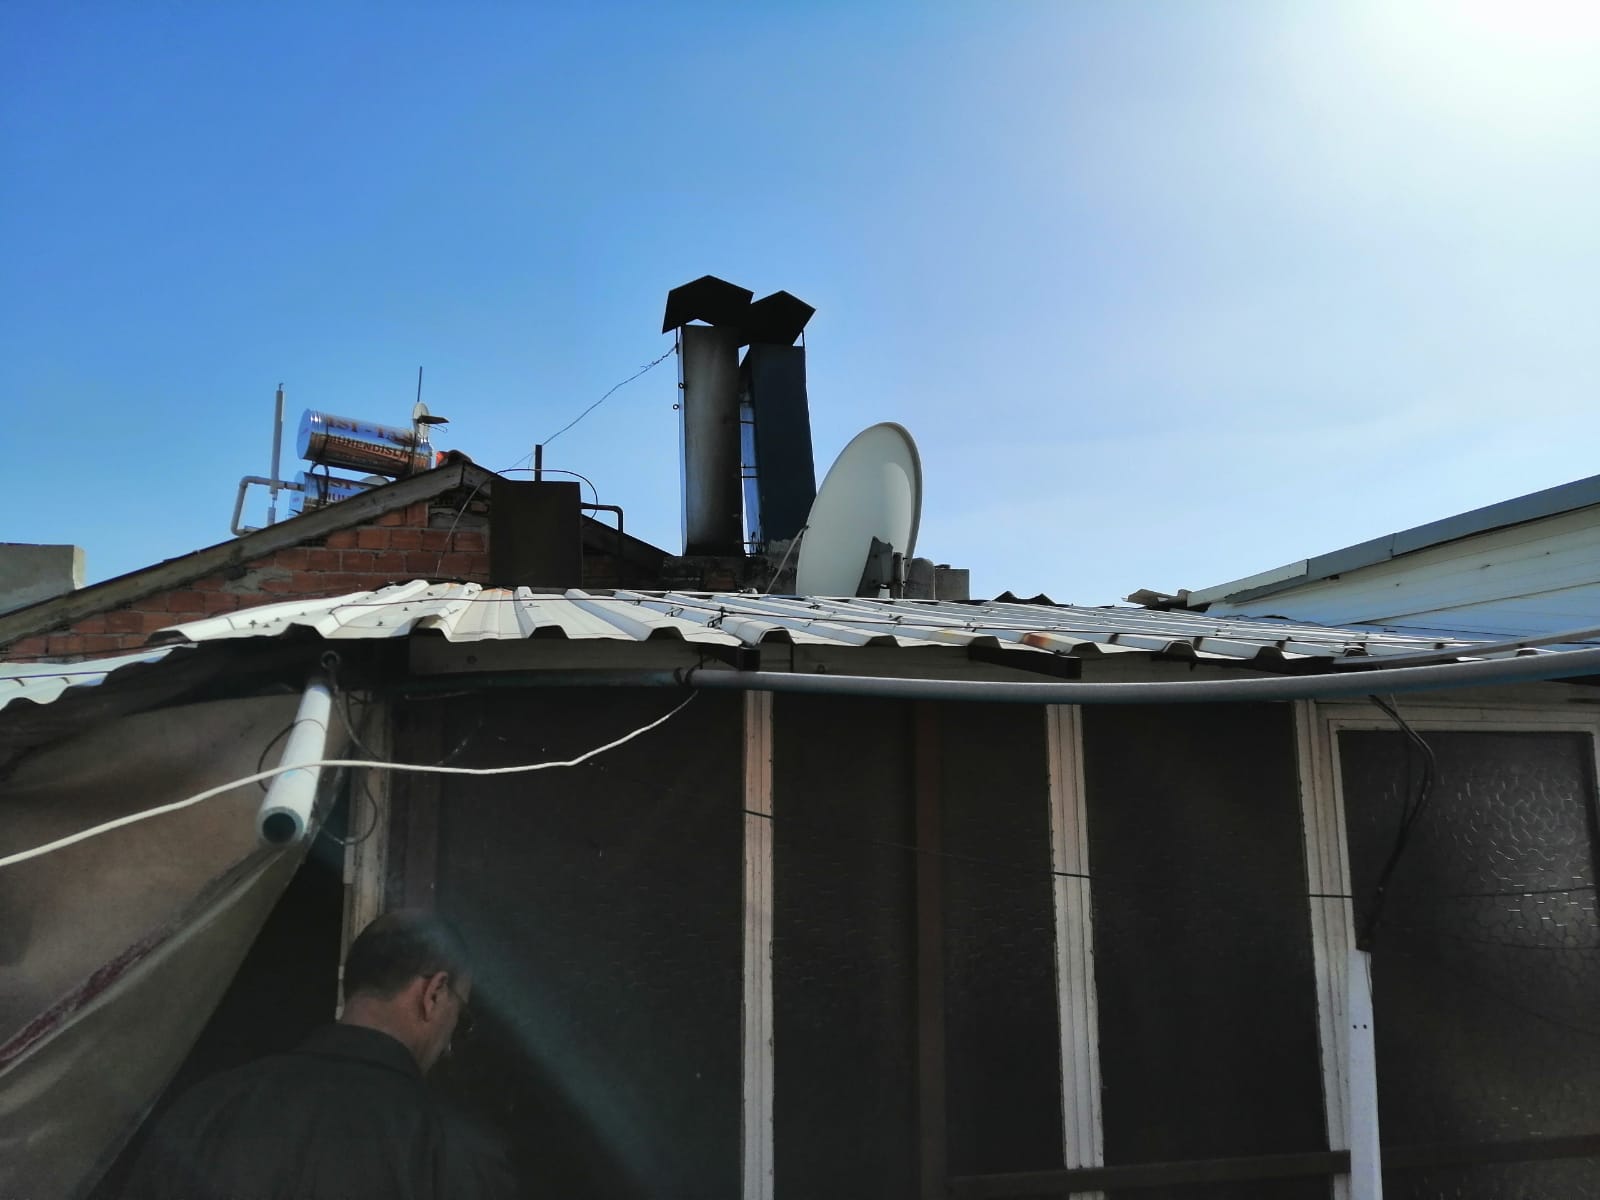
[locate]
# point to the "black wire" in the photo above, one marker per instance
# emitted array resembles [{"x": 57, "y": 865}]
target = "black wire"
[
  {"x": 1410, "y": 813},
  {"x": 603, "y": 399},
  {"x": 594, "y": 492},
  {"x": 1015, "y": 868},
  {"x": 266, "y": 750}
]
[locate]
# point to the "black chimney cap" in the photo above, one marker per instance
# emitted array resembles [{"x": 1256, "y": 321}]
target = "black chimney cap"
[
  {"x": 709, "y": 299},
  {"x": 777, "y": 320}
]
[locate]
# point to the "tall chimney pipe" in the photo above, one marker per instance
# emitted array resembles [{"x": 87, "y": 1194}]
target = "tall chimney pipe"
[{"x": 713, "y": 506}]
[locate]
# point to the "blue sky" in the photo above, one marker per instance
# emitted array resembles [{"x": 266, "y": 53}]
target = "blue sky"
[{"x": 1168, "y": 293}]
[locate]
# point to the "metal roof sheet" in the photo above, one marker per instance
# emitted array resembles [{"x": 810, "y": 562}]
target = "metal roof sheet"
[
  {"x": 465, "y": 612},
  {"x": 42, "y": 683}
]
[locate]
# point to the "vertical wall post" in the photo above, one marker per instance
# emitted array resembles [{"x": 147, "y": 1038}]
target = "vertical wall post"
[
  {"x": 1083, "y": 1143},
  {"x": 1366, "y": 1159},
  {"x": 1345, "y": 1031},
  {"x": 757, "y": 1156},
  {"x": 366, "y": 852},
  {"x": 932, "y": 1154}
]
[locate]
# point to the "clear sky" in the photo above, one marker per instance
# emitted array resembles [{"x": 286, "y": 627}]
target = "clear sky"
[{"x": 1169, "y": 293}]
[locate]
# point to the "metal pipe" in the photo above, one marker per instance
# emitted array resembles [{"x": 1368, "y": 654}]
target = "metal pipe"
[
  {"x": 1544, "y": 668},
  {"x": 285, "y": 811},
  {"x": 538, "y": 462},
  {"x": 238, "y": 501},
  {"x": 277, "y": 449},
  {"x": 614, "y": 508}
]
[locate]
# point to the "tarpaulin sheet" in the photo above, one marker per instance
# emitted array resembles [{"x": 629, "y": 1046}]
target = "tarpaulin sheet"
[{"x": 115, "y": 951}]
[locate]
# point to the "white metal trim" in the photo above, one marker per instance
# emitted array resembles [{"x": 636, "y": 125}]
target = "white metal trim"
[
  {"x": 1332, "y": 928},
  {"x": 1083, "y": 1143},
  {"x": 1344, "y": 1002},
  {"x": 757, "y": 1102}
]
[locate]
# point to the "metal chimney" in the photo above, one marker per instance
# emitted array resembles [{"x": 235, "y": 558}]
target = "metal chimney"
[{"x": 772, "y": 381}]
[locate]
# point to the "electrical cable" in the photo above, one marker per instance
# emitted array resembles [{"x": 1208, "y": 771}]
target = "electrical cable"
[
  {"x": 1410, "y": 813},
  {"x": 261, "y": 759},
  {"x": 652, "y": 363},
  {"x": 369, "y": 764},
  {"x": 793, "y": 543},
  {"x": 594, "y": 492}
]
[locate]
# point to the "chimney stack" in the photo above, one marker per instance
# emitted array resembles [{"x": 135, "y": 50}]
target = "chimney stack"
[{"x": 772, "y": 382}]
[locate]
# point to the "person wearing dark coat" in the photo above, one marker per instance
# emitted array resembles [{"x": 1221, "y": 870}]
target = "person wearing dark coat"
[{"x": 347, "y": 1114}]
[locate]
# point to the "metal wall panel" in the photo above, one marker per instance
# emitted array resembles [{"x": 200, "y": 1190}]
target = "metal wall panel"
[
  {"x": 604, "y": 903},
  {"x": 1207, "y": 997},
  {"x": 1004, "y": 1103},
  {"x": 843, "y": 949}
]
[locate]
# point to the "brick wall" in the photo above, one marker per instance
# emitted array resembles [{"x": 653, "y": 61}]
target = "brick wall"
[{"x": 396, "y": 547}]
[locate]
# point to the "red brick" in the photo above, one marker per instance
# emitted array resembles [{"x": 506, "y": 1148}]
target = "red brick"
[
  {"x": 406, "y": 539},
  {"x": 391, "y": 564},
  {"x": 26, "y": 647},
  {"x": 90, "y": 625},
  {"x": 422, "y": 564},
  {"x": 471, "y": 540},
  {"x": 184, "y": 602},
  {"x": 321, "y": 559},
  {"x": 105, "y": 643},
  {"x": 435, "y": 539},
  {"x": 159, "y": 620},
  {"x": 417, "y": 513},
  {"x": 343, "y": 539},
  {"x": 392, "y": 518},
  {"x": 279, "y": 585},
  {"x": 356, "y": 560},
  {"x": 64, "y": 643},
  {"x": 372, "y": 539},
  {"x": 332, "y": 583},
  {"x": 123, "y": 621},
  {"x": 220, "y": 602},
  {"x": 454, "y": 566},
  {"x": 211, "y": 583},
  {"x": 479, "y": 567},
  {"x": 295, "y": 558}
]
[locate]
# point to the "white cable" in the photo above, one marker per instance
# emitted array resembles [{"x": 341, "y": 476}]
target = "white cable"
[{"x": 370, "y": 764}]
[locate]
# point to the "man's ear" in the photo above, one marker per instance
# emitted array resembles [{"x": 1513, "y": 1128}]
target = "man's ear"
[{"x": 433, "y": 989}]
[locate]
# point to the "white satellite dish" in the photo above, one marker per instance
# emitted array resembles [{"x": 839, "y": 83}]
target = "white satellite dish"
[{"x": 873, "y": 490}]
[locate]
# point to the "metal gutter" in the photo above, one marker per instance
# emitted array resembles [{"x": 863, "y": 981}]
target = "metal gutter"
[{"x": 1536, "y": 669}]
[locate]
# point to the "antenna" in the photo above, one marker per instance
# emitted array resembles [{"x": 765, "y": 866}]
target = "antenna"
[{"x": 863, "y": 524}]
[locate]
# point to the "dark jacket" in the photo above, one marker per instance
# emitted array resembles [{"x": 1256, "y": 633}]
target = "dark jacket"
[{"x": 345, "y": 1116}]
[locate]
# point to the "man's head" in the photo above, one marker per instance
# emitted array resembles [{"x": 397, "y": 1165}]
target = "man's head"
[{"x": 407, "y": 976}]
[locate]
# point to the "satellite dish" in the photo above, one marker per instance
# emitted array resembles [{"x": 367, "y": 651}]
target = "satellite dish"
[{"x": 873, "y": 492}]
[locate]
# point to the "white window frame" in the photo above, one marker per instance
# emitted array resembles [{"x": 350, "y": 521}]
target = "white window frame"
[
  {"x": 1349, "y": 1088},
  {"x": 1082, "y": 1129}
]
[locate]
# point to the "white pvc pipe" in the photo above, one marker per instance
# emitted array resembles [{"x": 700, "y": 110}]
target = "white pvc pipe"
[{"x": 285, "y": 812}]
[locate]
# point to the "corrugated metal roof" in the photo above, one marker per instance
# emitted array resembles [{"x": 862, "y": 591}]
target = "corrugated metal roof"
[
  {"x": 466, "y": 612},
  {"x": 42, "y": 683}
]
